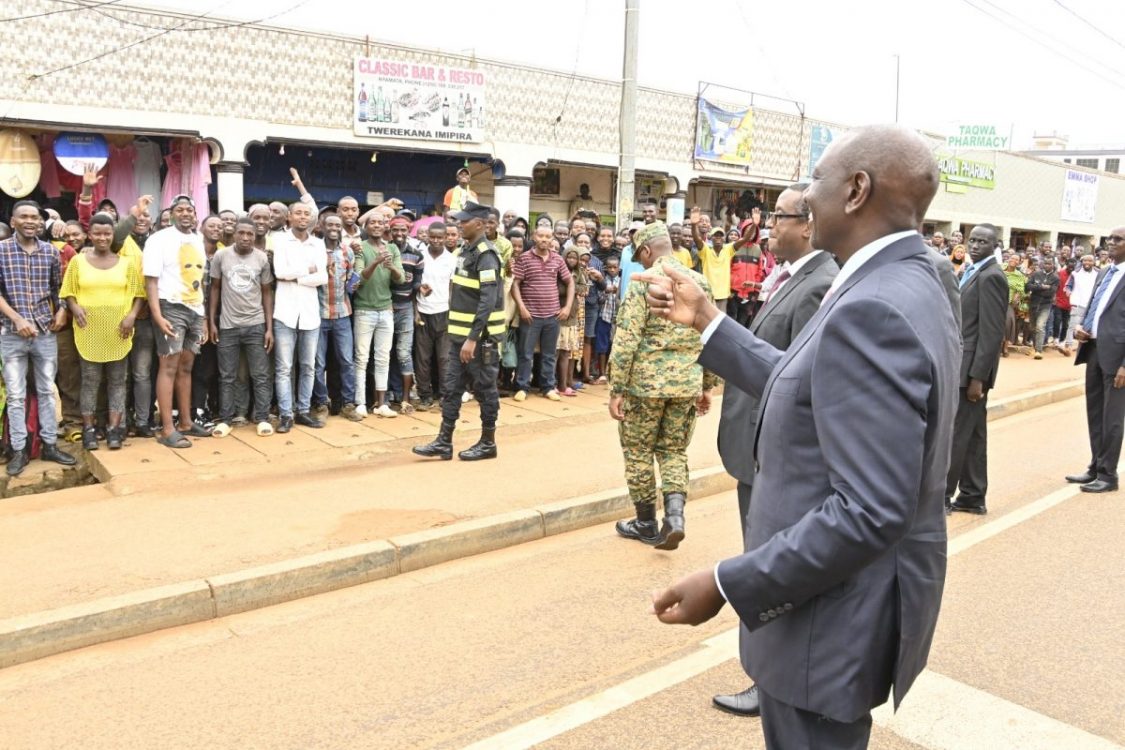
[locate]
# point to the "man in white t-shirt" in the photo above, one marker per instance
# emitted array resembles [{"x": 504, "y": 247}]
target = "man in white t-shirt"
[
  {"x": 1080, "y": 285},
  {"x": 173, "y": 268},
  {"x": 431, "y": 337}
]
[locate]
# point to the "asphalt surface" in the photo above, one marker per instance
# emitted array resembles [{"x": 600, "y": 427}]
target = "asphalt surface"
[{"x": 465, "y": 652}]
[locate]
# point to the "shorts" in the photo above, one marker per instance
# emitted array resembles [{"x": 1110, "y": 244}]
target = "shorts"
[
  {"x": 603, "y": 338},
  {"x": 187, "y": 327},
  {"x": 569, "y": 340},
  {"x": 591, "y": 320}
]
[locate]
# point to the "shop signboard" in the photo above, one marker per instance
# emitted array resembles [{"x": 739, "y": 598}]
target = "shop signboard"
[
  {"x": 723, "y": 134},
  {"x": 819, "y": 137},
  {"x": 962, "y": 173},
  {"x": 416, "y": 101},
  {"x": 979, "y": 138},
  {"x": 1080, "y": 196},
  {"x": 77, "y": 150},
  {"x": 19, "y": 163}
]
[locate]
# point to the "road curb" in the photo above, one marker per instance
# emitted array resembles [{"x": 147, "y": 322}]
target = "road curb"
[
  {"x": 29, "y": 637},
  {"x": 34, "y": 636}
]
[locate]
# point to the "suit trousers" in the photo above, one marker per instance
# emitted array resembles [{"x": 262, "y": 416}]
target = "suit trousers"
[
  {"x": 1105, "y": 417},
  {"x": 786, "y": 727},
  {"x": 968, "y": 460}
]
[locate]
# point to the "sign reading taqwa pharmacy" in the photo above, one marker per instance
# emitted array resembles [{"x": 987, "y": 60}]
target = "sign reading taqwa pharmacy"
[
  {"x": 976, "y": 174},
  {"x": 978, "y": 138},
  {"x": 417, "y": 101}
]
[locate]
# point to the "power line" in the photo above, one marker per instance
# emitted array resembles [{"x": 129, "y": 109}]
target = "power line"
[
  {"x": 1093, "y": 26},
  {"x": 213, "y": 27},
  {"x": 72, "y": 9},
  {"x": 574, "y": 73},
  {"x": 1113, "y": 81}
]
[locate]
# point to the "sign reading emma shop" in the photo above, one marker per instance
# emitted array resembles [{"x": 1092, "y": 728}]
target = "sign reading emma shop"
[{"x": 416, "y": 101}]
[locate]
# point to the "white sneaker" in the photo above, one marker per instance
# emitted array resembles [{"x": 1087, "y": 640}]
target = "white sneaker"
[
  {"x": 466, "y": 397},
  {"x": 361, "y": 411},
  {"x": 386, "y": 411}
]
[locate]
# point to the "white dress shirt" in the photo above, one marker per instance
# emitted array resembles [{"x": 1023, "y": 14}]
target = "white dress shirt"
[
  {"x": 297, "y": 304},
  {"x": 1106, "y": 295},
  {"x": 861, "y": 256}
]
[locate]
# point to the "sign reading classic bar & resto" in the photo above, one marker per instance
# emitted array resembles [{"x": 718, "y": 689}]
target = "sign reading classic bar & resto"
[{"x": 418, "y": 101}]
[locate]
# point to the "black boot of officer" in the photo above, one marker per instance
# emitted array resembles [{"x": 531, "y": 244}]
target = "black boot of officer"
[
  {"x": 643, "y": 528},
  {"x": 442, "y": 447},
  {"x": 484, "y": 448},
  {"x": 672, "y": 532}
]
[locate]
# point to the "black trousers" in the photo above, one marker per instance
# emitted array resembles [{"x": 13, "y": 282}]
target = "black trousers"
[
  {"x": 968, "y": 461},
  {"x": 478, "y": 376},
  {"x": 1105, "y": 417},
  {"x": 787, "y": 727}
]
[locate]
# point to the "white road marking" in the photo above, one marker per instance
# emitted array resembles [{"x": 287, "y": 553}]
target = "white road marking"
[{"x": 943, "y": 714}]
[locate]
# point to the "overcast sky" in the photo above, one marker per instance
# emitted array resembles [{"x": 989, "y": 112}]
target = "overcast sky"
[{"x": 1030, "y": 64}]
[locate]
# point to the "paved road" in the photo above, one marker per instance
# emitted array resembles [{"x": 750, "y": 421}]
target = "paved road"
[{"x": 551, "y": 642}]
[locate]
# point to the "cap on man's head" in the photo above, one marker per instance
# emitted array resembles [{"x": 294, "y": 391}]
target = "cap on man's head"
[
  {"x": 472, "y": 211},
  {"x": 717, "y": 231},
  {"x": 648, "y": 233},
  {"x": 407, "y": 214},
  {"x": 636, "y": 225},
  {"x": 465, "y": 170},
  {"x": 182, "y": 198}
]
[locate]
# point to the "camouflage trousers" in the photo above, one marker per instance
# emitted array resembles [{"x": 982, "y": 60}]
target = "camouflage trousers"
[{"x": 660, "y": 429}]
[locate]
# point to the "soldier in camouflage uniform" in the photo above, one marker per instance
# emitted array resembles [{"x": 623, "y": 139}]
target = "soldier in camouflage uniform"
[{"x": 657, "y": 388}]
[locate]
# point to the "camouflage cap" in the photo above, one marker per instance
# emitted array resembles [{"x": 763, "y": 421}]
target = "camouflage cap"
[{"x": 649, "y": 233}]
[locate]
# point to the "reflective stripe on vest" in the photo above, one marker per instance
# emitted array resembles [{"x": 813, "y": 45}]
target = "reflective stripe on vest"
[
  {"x": 466, "y": 281},
  {"x": 466, "y": 331}
]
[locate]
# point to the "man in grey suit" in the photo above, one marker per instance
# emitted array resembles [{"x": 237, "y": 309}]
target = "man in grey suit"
[
  {"x": 1102, "y": 350},
  {"x": 805, "y": 276},
  {"x": 842, "y": 579},
  {"x": 984, "y": 309}
]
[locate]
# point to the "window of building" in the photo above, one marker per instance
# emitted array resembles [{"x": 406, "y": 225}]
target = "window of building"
[
  {"x": 1113, "y": 165},
  {"x": 1066, "y": 160},
  {"x": 1091, "y": 163}
]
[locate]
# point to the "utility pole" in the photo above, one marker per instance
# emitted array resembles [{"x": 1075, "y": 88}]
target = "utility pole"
[
  {"x": 898, "y": 62},
  {"x": 626, "y": 172}
]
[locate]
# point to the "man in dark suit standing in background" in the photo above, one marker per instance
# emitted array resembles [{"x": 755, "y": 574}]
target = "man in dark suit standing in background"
[
  {"x": 841, "y": 582},
  {"x": 1102, "y": 350},
  {"x": 805, "y": 276},
  {"x": 984, "y": 305}
]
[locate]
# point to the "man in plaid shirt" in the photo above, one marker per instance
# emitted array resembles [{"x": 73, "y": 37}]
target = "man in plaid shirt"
[{"x": 30, "y": 277}]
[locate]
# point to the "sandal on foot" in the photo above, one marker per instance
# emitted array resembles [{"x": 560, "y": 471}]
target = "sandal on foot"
[
  {"x": 175, "y": 440},
  {"x": 197, "y": 430},
  {"x": 221, "y": 430}
]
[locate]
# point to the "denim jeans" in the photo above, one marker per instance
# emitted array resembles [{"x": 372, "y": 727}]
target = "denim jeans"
[
  {"x": 340, "y": 331},
  {"x": 545, "y": 333},
  {"x": 376, "y": 326},
  {"x": 233, "y": 344},
  {"x": 404, "y": 339},
  {"x": 140, "y": 362},
  {"x": 42, "y": 355},
  {"x": 1077, "y": 315},
  {"x": 117, "y": 383},
  {"x": 1039, "y": 316},
  {"x": 294, "y": 346}
]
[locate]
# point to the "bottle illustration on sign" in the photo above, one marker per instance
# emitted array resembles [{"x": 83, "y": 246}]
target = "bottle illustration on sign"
[
  {"x": 460, "y": 111},
  {"x": 480, "y": 115},
  {"x": 372, "y": 115},
  {"x": 468, "y": 111},
  {"x": 379, "y": 105},
  {"x": 387, "y": 109},
  {"x": 362, "y": 103},
  {"x": 394, "y": 106},
  {"x": 445, "y": 113}
]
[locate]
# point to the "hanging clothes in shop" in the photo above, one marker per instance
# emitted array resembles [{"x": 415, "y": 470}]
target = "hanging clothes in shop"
[
  {"x": 146, "y": 172},
  {"x": 49, "y": 172},
  {"x": 120, "y": 179},
  {"x": 189, "y": 173}
]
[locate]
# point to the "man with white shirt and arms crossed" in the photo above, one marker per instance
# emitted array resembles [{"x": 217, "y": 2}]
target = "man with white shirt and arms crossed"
[
  {"x": 841, "y": 583},
  {"x": 1080, "y": 286},
  {"x": 431, "y": 334},
  {"x": 300, "y": 266}
]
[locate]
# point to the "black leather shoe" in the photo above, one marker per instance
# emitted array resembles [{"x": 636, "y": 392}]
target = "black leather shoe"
[
  {"x": 672, "y": 532},
  {"x": 307, "y": 420},
  {"x": 643, "y": 528},
  {"x": 18, "y": 462},
  {"x": 441, "y": 446},
  {"x": 284, "y": 425},
  {"x": 976, "y": 510},
  {"x": 1099, "y": 485},
  {"x": 51, "y": 452},
  {"x": 741, "y": 704},
  {"x": 1081, "y": 478},
  {"x": 485, "y": 448}
]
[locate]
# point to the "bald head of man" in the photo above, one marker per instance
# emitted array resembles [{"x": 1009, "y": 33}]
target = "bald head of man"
[{"x": 874, "y": 181}]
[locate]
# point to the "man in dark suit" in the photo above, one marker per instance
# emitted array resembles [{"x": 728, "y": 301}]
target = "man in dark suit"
[
  {"x": 841, "y": 582},
  {"x": 984, "y": 307},
  {"x": 1102, "y": 350},
  {"x": 805, "y": 276}
]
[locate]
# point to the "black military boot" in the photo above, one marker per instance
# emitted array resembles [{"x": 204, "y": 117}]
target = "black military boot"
[
  {"x": 672, "y": 532},
  {"x": 643, "y": 528},
  {"x": 484, "y": 448},
  {"x": 442, "y": 447}
]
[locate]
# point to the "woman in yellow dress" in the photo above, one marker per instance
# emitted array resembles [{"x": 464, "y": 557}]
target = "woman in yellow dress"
[{"x": 104, "y": 292}]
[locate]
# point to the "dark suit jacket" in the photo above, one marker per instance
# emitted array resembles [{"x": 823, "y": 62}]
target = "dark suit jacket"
[
  {"x": 949, "y": 282},
  {"x": 1111, "y": 330},
  {"x": 841, "y": 584},
  {"x": 984, "y": 308},
  {"x": 777, "y": 323}
]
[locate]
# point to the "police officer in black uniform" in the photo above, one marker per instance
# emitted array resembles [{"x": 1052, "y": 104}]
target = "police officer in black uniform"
[{"x": 476, "y": 325}]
